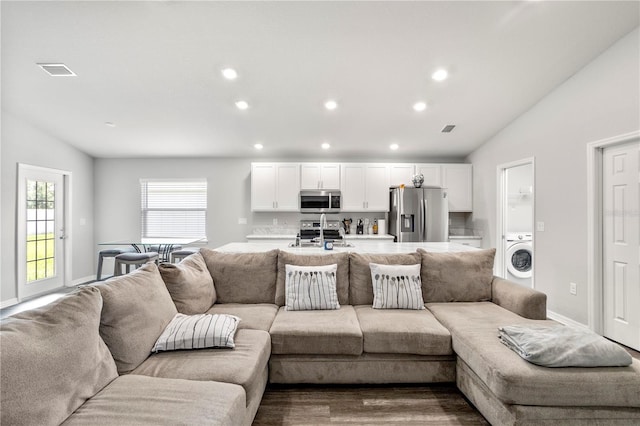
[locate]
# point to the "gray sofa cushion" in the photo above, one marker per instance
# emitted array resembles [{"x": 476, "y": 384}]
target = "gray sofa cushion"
[
  {"x": 400, "y": 331},
  {"x": 138, "y": 400},
  {"x": 360, "y": 285},
  {"x": 474, "y": 333},
  {"x": 254, "y": 316},
  {"x": 137, "y": 308},
  {"x": 457, "y": 277},
  {"x": 190, "y": 284},
  {"x": 52, "y": 359},
  {"x": 342, "y": 274},
  {"x": 243, "y": 277},
  {"x": 317, "y": 332},
  {"x": 244, "y": 365}
]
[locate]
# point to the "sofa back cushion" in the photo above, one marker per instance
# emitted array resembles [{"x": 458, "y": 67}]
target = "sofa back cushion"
[
  {"x": 360, "y": 284},
  {"x": 342, "y": 274},
  {"x": 243, "y": 277},
  {"x": 457, "y": 277},
  {"x": 137, "y": 308},
  {"x": 53, "y": 360},
  {"x": 190, "y": 284}
]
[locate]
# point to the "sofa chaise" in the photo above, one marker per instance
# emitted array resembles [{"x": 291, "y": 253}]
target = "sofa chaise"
[{"x": 87, "y": 358}]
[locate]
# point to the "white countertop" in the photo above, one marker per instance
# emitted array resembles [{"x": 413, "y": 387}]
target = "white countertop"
[
  {"x": 371, "y": 247},
  {"x": 292, "y": 237},
  {"x": 465, "y": 237}
]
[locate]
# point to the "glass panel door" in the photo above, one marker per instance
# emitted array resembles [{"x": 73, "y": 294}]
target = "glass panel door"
[{"x": 41, "y": 231}]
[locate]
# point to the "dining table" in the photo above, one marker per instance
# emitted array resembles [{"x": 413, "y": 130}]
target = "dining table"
[{"x": 164, "y": 246}]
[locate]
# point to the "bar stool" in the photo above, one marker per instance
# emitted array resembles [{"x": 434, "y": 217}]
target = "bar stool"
[
  {"x": 181, "y": 254},
  {"x": 137, "y": 259},
  {"x": 110, "y": 252},
  {"x": 164, "y": 250}
]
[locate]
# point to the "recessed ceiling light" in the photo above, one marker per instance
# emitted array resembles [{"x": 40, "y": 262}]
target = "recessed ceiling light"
[
  {"x": 440, "y": 75},
  {"x": 331, "y": 105},
  {"x": 109, "y": 124},
  {"x": 242, "y": 105},
  {"x": 229, "y": 73},
  {"x": 258, "y": 146},
  {"x": 420, "y": 106},
  {"x": 57, "y": 70},
  {"x": 394, "y": 146},
  {"x": 326, "y": 145}
]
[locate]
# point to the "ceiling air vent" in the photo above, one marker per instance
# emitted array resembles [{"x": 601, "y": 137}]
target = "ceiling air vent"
[
  {"x": 448, "y": 128},
  {"x": 57, "y": 70}
]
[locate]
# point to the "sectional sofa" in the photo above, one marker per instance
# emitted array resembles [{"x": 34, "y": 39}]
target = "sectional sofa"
[{"x": 87, "y": 358}]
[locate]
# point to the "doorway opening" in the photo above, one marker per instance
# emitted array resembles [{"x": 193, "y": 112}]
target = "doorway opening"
[
  {"x": 613, "y": 276},
  {"x": 42, "y": 261},
  {"x": 515, "y": 219}
]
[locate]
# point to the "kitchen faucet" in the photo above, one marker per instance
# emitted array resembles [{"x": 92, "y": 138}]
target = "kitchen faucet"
[{"x": 323, "y": 224}]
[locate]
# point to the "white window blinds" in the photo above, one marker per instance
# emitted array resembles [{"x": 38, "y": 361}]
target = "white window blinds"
[{"x": 173, "y": 208}]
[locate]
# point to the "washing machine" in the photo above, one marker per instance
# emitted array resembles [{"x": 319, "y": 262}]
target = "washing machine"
[{"x": 519, "y": 257}]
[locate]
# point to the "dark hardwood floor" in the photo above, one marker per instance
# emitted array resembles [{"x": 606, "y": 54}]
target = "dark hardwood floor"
[{"x": 366, "y": 405}]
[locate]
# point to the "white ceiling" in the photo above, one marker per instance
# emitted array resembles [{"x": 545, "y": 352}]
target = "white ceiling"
[{"x": 153, "y": 69}]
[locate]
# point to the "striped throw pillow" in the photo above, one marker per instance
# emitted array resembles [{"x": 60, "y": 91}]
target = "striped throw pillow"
[
  {"x": 198, "y": 331},
  {"x": 396, "y": 286},
  {"x": 311, "y": 287}
]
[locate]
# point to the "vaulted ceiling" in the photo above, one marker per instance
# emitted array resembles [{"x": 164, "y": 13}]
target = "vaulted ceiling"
[{"x": 148, "y": 74}]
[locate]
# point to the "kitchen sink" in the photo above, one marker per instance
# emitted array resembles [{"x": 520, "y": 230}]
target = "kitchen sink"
[{"x": 316, "y": 244}]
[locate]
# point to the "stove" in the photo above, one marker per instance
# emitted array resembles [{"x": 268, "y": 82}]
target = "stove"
[{"x": 310, "y": 229}]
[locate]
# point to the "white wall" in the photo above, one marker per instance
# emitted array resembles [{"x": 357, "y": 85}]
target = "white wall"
[
  {"x": 23, "y": 143},
  {"x": 601, "y": 100}
]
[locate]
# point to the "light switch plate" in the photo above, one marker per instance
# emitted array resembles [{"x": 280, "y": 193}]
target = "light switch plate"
[
  {"x": 573, "y": 288},
  {"x": 242, "y": 221},
  {"x": 540, "y": 226}
]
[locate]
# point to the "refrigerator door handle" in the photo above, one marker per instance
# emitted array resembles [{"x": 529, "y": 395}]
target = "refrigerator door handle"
[{"x": 425, "y": 207}]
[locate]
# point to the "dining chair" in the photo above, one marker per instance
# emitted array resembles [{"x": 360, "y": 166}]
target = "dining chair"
[
  {"x": 110, "y": 252},
  {"x": 136, "y": 259}
]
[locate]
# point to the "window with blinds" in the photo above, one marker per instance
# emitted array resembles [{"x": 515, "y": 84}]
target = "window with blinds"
[{"x": 173, "y": 208}]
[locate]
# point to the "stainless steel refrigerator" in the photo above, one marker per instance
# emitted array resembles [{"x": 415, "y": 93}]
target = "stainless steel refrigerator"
[{"x": 418, "y": 214}]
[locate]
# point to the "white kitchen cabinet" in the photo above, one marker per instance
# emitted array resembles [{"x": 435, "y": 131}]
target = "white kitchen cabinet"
[
  {"x": 320, "y": 176},
  {"x": 275, "y": 186},
  {"x": 401, "y": 174},
  {"x": 458, "y": 179},
  {"x": 365, "y": 187},
  {"x": 432, "y": 174}
]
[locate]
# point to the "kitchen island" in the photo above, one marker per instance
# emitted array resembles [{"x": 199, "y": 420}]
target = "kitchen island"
[{"x": 369, "y": 247}]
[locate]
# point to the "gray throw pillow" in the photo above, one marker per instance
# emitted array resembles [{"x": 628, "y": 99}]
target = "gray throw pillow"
[
  {"x": 137, "y": 308},
  {"x": 458, "y": 276},
  {"x": 190, "y": 284},
  {"x": 52, "y": 360}
]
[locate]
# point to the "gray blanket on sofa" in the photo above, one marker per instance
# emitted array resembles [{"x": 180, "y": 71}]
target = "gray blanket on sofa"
[{"x": 562, "y": 346}]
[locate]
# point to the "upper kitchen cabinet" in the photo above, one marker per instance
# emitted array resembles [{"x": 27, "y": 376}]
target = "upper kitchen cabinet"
[
  {"x": 401, "y": 174},
  {"x": 458, "y": 179},
  {"x": 365, "y": 187},
  {"x": 320, "y": 176},
  {"x": 275, "y": 186},
  {"x": 432, "y": 174}
]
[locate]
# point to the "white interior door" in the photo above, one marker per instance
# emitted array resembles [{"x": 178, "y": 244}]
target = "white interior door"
[
  {"x": 621, "y": 243},
  {"x": 40, "y": 231}
]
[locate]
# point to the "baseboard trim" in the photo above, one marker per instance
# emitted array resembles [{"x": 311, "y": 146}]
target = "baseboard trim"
[
  {"x": 9, "y": 302},
  {"x": 565, "y": 320},
  {"x": 83, "y": 280}
]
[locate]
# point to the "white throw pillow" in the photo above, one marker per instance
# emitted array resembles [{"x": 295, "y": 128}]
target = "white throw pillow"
[
  {"x": 311, "y": 287},
  {"x": 198, "y": 331},
  {"x": 396, "y": 286}
]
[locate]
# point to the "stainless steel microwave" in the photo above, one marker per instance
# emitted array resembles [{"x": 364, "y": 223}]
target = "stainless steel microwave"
[{"x": 320, "y": 201}]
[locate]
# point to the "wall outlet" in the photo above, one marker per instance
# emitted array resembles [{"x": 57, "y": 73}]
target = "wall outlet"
[
  {"x": 242, "y": 221},
  {"x": 573, "y": 288},
  {"x": 275, "y": 220}
]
